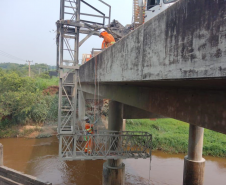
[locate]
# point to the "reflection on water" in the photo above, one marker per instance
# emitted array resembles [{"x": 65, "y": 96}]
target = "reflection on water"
[{"x": 38, "y": 157}]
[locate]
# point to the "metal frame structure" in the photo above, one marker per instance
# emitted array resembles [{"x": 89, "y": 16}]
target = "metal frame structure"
[
  {"x": 107, "y": 145},
  {"x": 68, "y": 28},
  {"x": 71, "y": 131}
]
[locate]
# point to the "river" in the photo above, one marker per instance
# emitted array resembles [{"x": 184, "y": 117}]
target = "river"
[{"x": 39, "y": 157}]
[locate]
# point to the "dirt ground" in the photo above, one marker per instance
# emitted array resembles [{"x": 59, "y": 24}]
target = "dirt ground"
[{"x": 29, "y": 131}]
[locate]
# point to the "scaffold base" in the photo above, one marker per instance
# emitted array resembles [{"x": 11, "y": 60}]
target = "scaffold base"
[{"x": 106, "y": 145}]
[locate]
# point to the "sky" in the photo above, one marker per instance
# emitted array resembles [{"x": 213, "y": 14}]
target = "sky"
[{"x": 27, "y": 28}]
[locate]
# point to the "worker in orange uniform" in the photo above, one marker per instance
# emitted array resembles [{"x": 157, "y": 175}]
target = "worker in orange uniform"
[
  {"x": 108, "y": 38},
  {"x": 89, "y": 129}
]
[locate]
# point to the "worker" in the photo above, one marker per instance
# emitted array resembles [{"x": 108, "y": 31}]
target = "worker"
[
  {"x": 89, "y": 129},
  {"x": 108, "y": 38}
]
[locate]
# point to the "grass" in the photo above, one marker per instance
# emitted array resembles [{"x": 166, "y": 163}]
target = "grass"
[
  {"x": 43, "y": 135},
  {"x": 170, "y": 135},
  {"x": 44, "y": 83}
]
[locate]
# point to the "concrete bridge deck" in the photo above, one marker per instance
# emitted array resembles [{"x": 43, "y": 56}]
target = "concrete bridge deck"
[{"x": 174, "y": 65}]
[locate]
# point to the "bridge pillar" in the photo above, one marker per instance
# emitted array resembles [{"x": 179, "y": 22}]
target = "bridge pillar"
[
  {"x": 81, "y": 105},
  {"x": 124, "y": 125},
  {"x": 194, "y": 164},
  {"x": 114, "y": 170}
]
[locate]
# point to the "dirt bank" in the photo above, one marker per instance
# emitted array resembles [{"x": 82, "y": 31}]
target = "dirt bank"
[{"x": 30, "y": 131}]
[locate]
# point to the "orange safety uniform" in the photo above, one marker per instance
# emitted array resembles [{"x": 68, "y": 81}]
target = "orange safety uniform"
[
  {"x": 89, "y": 143},
  {"x": 108, "y": 39}
]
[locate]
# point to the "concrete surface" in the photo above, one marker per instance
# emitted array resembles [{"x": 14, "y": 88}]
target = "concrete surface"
[
  {"x": 193, "y": 172},
  {"x": 187, "y": 41},
  {"x": 174, "y": 65},
  {"x": 11, "y": 177}
]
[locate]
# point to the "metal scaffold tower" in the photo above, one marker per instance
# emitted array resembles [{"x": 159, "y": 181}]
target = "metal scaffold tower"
[{"x": 72, "y": 134}]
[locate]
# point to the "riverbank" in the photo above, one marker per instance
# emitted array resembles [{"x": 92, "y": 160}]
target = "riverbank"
[
  {"x": 28, "y": 131},
  {"x": 170, "y": 135}
]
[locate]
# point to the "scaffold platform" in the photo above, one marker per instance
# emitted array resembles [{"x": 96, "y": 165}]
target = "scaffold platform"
[{"x": 106, "y": 145}]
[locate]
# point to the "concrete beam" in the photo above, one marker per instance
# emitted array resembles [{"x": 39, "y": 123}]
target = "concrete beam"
[
  {"x": 131, "y": 112},
  {"x": 81, "y": 105},
  {"x": 187, "y": 41},
  {"x": 91, "y": 96},
  {"x": 204, "y": 108}
]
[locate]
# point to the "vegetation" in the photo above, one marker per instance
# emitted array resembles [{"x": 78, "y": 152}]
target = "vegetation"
[
  {"x": 22, "y": 101},
  {"x": 43, "y": 136},
  {"x": 170, "y": 135},
  {"x": 43, "y": 83},
  {"x": 22, "y": 69}
]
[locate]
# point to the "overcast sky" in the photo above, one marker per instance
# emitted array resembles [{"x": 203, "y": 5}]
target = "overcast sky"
[{"x": 26, "y": 28}]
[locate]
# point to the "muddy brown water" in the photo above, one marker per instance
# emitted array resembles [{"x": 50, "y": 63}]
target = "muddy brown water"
[{"x": 38, "y": 157}]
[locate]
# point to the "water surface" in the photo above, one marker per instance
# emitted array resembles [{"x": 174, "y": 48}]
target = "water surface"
[{"x": 39, "y": 157}]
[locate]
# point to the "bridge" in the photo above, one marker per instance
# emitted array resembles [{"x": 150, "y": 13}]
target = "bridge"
[{"x": 173, "y": 66}]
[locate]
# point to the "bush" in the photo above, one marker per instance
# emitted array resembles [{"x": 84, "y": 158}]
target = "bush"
[
  {"x": 43, "y": 136},
  {"x": 44, "y": 76},
  {"x": 52, "y": 113},
  {"x": 22, "y": 100}
]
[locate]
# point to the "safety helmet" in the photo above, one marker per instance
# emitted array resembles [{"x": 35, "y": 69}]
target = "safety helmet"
[
  {"x": 85, "y": 118},
  {"x": 101, "y": 30}
]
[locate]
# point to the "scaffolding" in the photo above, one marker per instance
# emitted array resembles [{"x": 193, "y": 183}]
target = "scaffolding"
[
  {"x": 107, "y": 145},
  {"x": 71, "y": 132},
  {"x": 68, "y": 28}
]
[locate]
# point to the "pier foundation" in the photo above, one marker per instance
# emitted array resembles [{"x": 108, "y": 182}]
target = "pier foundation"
[
  {"x": 114, "y": 170},
  {"x": 194, "y": 163}
]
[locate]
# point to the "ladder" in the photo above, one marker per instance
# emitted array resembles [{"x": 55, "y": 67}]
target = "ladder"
[{"x": 67, "y": 63}]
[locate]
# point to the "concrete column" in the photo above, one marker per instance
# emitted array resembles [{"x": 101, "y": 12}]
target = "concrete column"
[
  {"x": 124, "y": 125},
  {"x": 1, "y": 154},
  {"x": 114, "y": 170},
  {"x": 194, "y": 164},
  {"x": 81, "y": 105}
]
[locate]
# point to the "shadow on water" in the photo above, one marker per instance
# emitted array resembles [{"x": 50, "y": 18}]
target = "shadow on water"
[{"x": 39, "y": 157}]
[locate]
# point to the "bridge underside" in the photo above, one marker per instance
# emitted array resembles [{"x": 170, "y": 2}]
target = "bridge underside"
[
  {"x": 174, "y": 65},
  {"x": 204, "y": 108}
]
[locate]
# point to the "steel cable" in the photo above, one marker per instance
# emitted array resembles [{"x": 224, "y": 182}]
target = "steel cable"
[{"x": 3, "y": 53}]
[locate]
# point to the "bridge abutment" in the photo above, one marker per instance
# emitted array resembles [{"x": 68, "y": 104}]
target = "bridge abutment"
[
  {"x": 114, "y": 170},
  {"x": 194, "y": 163}
]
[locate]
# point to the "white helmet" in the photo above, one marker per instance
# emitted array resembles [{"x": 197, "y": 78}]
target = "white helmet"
[
  {"x": 85, "y": 118},
  {"x": 101, "y": 30}
]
